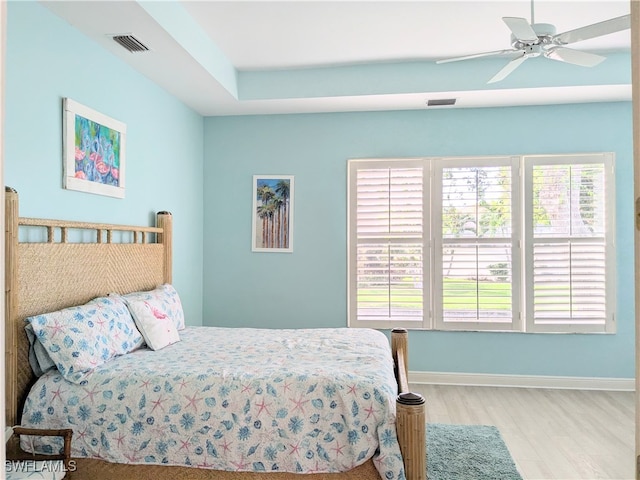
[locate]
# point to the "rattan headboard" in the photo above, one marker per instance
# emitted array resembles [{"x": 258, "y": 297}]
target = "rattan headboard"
[{"x": 45, "y": 276}]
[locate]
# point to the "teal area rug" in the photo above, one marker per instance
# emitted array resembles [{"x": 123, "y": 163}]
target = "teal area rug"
[{"x": 468, "y": 452}]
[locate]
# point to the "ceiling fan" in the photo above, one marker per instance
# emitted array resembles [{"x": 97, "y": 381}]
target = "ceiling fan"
[{"x": 531, "y": 40}]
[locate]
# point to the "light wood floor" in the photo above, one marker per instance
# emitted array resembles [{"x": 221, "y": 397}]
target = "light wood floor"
[{"x": 551, "y": 434}]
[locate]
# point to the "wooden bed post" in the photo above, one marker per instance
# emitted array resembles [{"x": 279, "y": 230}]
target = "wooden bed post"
[
  {"x": 10, "y": 303},
  {"x": 411, "y": 430},
  {"x": 400, "y": 353},
  {"x": 411, "y": 427},
  {"x": 165, "y": 221}
]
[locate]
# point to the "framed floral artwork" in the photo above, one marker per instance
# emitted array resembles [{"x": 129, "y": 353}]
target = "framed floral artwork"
[
  {"x": 272, "y": 229},
  {"x": 93, "y": 151}
]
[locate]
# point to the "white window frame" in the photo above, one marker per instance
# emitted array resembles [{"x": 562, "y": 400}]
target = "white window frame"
[
  {"x": 609, "y": 238},
  {"x": 438, "y": 240},
  {"x": 352, "y": 243},
  {"x": 522, "y": 259}
]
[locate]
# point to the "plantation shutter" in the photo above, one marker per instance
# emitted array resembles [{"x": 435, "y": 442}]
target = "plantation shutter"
[
  {"x": 476, "y": 259},
  {"x": 570, "y": 239},
  {"x": 387, "y": 240},
  {"x": 495, "y": 243}
]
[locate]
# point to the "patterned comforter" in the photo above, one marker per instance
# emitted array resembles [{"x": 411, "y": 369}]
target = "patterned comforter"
[{"x": 308, "y": 401}]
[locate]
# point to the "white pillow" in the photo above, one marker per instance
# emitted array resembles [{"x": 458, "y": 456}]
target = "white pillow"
[
  {"x": 157, "y": 328},
  {"x": 165, "y": 298}
]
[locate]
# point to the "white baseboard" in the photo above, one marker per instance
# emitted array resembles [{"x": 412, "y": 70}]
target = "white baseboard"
[{"x": 524, "y": 381}]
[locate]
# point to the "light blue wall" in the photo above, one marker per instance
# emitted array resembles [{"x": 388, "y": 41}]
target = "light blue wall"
[
  {"x": 307, "y": 288},
  {"x": 420, "y": 76},
  {"x": 47, "y": 60}
]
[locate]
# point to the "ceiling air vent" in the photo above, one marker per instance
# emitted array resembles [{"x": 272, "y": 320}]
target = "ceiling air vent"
[
  {"x": 441, "y": 102},
  {"x": 131, "y": 43}
]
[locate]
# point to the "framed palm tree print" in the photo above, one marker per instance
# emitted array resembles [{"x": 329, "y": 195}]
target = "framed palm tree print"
[{"x": 272, "y": 226}]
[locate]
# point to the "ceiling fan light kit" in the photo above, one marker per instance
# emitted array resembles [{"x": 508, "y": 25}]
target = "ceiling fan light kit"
[{"x": 530, "y": 40}]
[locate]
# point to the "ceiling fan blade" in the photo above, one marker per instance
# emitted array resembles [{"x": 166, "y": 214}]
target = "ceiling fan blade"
[
  {"x": 612, "y": 25},
  {"x": 477, "y": 55},
  {"x": 508, "y": 68},
  {"x": 521, "y": 29},
  {"x": 576, "y": 57}
]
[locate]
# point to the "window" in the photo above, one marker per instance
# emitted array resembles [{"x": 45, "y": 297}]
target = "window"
[
  {"x": 388, "y": 257},
  {"x": 569, "y": 243},
  {"x": 475, "y": 244},
  {"x": 517, "y": 243}
]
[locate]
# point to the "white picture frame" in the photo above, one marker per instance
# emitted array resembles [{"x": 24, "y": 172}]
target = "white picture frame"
[
  {"x": 272, "y": 217},
  {"x": 93, "y": 151}
]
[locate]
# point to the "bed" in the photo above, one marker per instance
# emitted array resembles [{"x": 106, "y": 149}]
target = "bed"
[{"x": 125, "y": 259}]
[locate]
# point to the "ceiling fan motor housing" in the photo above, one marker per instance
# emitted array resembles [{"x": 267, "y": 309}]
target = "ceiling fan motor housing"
[{"x": 544, "y": 31}]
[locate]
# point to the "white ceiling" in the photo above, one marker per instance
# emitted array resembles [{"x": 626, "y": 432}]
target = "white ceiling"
[
  {"x": 268, "y": 35},
  {"x": 193, "y": 42}
]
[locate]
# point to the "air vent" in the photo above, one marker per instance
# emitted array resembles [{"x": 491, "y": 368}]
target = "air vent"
[
  {"x": 441, "y": 102},
  {"x": 131, "y": 43}
]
